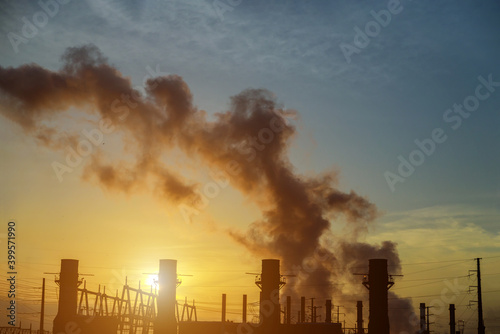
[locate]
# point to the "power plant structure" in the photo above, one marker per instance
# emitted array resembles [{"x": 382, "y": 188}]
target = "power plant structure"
[
  {"x": 158, "y": 311},
  {"x": 139, "y": 311}
]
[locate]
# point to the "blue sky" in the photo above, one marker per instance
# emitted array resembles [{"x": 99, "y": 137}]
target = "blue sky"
[{"x": 356, "y": 117}]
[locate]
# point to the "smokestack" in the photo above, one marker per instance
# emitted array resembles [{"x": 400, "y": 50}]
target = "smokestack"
[
  {"x": 359, "y": 307},
  {"x": 422, "y": 318},
  {"x": 244, "y": 320},
  {"x": 452, "y": 318},
  {"x": 269, "y": 298},
  {"x": 378, "y": 283},
  {"x": 68, "y": 294},
  {"x": 165, "y": 321},
  {"x": 328, "y": 309},
  {"x": 42, "y": 311},
  {"x": 223, "y": 319},
  {"x": 313, "y": 315},
  {"x": 288, "y": 309},
  {"x": 302, "y": 309}
]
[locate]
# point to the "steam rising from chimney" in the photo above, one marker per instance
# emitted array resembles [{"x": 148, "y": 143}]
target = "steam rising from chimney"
[{"x": 248, "y": 144}]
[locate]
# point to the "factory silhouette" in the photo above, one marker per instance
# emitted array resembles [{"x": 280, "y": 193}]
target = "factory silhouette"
[{"x": 157, "y": 312}]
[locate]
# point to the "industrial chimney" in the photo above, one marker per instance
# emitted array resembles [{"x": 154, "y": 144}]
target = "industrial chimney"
[
  {"x": 452, "y": 318},
  {"x": 423, "y": 328},
  {"x": 68, "y": 295},
  {"x": 270, "y": 283},
  {"x": 165, "y": 322},
  {"x": 378, "y": 282},
  {"x": 302, "y": 309},
  {"x": 359, "y": 307},
  {"x": 328, "y": 311}
]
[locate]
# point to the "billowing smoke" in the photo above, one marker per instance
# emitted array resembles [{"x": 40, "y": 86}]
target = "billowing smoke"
[{"x": 246, "y": 146}]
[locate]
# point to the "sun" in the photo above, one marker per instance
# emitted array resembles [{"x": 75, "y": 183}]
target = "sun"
[{"x": 152, "y": 280}]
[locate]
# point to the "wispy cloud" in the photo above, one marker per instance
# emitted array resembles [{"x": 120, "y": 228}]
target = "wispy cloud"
[{"x": 443, "y": 231}]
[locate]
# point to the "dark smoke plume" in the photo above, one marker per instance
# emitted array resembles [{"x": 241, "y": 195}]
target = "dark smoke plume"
[{"x": 247, "y": 145}]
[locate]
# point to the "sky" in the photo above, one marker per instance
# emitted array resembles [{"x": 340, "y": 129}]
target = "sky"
[{"x": 388, "y": 124}]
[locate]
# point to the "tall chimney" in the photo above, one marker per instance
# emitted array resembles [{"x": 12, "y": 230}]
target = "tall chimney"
[
  {"x": 288, "y": 309},
  {"x": 269, "y": 298},
  {"x": 223, "y": 317},
  {"x": 378, "y": 283},
  {"x": 422, "y": 318},
  {"x": 452, "y": 318},
  {"x": 328, "y": 310},
  {"x": 359, "y": 307},
  {"x": 302, "y": 309},
  {"x": 244, "y": 320},
  {"x": 42, "y": 311},
  {"x": 165, "y": 320},
  {"x": 68, "y": 294}
]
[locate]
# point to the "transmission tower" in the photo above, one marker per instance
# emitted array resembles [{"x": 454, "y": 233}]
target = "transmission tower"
[{"x": 480, "y": 320}]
